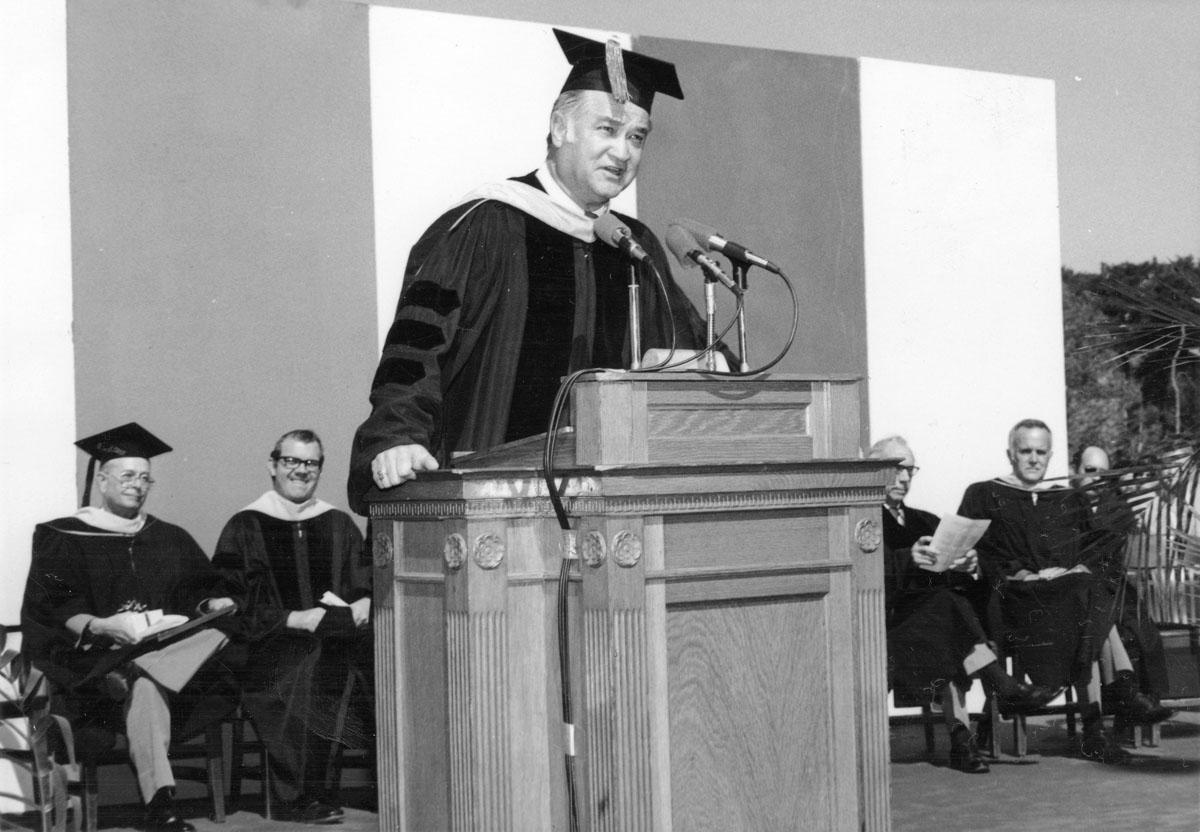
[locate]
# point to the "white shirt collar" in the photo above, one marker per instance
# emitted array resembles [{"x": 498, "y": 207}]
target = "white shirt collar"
[
  {"x": 101, "y": 519},
  {"x": 273, "y": 505},
  {"x": 560, "y": 197}
]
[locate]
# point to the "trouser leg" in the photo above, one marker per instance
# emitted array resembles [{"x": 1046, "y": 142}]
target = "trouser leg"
[
  {"x": 1087, "y": 692},
  {"x": 283, "y": 735},
  {"x": 980, "y": 657},
  {"x": 954, "y": 706},
  {"x": 1114, "y": 655},
  {"x": 148, "y": 727},
  {"x": 316, "y": 767}
]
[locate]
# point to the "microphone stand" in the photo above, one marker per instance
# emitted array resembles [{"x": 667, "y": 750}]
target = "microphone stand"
[
  {"x": 635, "y": 323},
  {"x": 739, "y": 277},
  {"x": 710, "y": 315}
]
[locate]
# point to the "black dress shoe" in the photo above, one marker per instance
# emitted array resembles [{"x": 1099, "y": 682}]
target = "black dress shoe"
[
  {"x": 313, "y": 812},
  {"x": 1022, "y": 697},
  {"x": 964, "y": 753},
  {"x": 161, "y": 815},
  {"x": 1142, "y": 710}
]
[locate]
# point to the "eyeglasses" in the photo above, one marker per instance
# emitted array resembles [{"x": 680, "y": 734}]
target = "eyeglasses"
[
  {"x": 1092, "y": 469},
  {"x": 291, "y": 463},
  {"x": 130, "y": 478},
  {"x": 911, "y": 469}
]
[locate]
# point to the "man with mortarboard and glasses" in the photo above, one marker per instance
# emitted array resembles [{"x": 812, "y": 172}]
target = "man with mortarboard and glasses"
[
  {"x": 98, "y": 580},
  {"x": 508, "y": 292}
]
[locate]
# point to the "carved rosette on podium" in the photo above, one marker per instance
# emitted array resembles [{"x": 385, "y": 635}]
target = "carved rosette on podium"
[{"x": 726, "y": 614}]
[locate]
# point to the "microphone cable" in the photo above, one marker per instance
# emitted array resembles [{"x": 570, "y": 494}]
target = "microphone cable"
[
  {"x": 554, "y": 490},
  {"x": 756, "y": 370},
  {"x": 791, "y": 334}
]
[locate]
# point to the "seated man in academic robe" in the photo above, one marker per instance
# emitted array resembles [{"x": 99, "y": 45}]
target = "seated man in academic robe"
[
  {"x": 936, "y": 643},
  {"x": 300, "y": 572},
  {"x": 509, "y": 292},
  {"x": 1112, "y": 522},
  {"x": 1053, "y": 610},
  {"x": 97, "y": 580}
]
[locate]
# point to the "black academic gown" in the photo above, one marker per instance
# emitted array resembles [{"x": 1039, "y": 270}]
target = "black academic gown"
[
  {"x": 295, "y": 683},
  {"x": 1057, "y": 627},
  {"x": 932, "y": 623},
  {"x": 497, "y": 306},
  {"x": 78, "y": 568},
  {"x": 1111, "y": 524}
]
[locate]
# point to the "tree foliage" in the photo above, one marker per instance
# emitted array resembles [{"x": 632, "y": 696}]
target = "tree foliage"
[{"x": 1132, "y": 339}]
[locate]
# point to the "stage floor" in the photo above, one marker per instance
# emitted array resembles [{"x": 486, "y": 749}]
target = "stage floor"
[{"x": 1053, "y": 790}]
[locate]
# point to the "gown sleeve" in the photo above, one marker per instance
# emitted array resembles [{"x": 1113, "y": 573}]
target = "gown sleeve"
[
  {"x": 57, "y": 586},
  {"x": 241, "y": 558},
  {"x": 455, "y": 274},
  {"x": 995, "y": 558}
]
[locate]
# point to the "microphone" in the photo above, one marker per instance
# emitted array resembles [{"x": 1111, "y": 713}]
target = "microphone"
[
  {"x": 683, "y": 245},
  {"x": 617, "y": 234},
  {"x": 712, "y": 240}
]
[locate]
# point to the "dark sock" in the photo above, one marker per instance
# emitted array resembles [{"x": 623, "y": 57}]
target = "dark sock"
[
  {"x": 1124, "y": 687},
  {"x": 1000, "y": 682}
]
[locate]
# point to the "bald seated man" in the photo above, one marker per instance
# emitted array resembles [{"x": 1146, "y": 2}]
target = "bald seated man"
[{"x": 1112, "y": 522}]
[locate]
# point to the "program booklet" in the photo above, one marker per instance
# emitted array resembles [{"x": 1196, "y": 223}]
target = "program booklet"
[
  {"x": 955, "y": 536},
  {"x": 150, "y": 641}
]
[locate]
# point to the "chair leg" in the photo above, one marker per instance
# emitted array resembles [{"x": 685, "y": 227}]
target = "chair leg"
[
  {"x": 237, "y": 735},
  {"x": 265, "y": 767},
  {"x": 992, "y": 715},
  {"x": 1071, "y": 711},
  {"x": 927, "y": 720},
  {"x": 91, "y": 795},
  {"x": 1020, "y": 738},
  {"x": 215, "y": 753}
]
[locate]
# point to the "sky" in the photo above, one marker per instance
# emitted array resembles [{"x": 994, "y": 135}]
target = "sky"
[{"x": 1127, "y": 80}]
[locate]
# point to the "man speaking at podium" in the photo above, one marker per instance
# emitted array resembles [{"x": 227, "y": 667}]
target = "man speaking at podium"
[{"x": 508, "y": 291}]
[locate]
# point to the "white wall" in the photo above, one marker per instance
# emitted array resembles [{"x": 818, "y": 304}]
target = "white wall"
[
  {"x": 456, "y": 102},
  {"x": 37, "y": 408},
  {"x": 964, "y": 313},
  {"x": 37, "y": 370}
]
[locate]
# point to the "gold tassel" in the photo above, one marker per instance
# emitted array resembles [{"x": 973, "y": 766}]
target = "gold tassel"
[{"x": 615, "y": 63}]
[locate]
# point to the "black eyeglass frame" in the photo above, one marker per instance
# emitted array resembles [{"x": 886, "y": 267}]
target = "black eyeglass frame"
[{"x": 293, "y": 462}]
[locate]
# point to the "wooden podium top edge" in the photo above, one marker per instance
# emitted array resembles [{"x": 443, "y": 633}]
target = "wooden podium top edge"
[
  {"x": 528, "y": 471},
  {"x": 695, "y": 375}
]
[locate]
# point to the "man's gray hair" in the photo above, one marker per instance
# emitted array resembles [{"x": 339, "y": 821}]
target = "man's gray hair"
[
  {"x": 1027, "y": 424},
  {"x": 877, "y": 450},
  {"x": 564, "y": 106}
]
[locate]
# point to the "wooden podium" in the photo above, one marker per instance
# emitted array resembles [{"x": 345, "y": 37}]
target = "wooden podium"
[{"x": 726, "y": 619}]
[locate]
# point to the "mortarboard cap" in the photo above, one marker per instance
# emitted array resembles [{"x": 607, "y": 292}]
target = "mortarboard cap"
[
  {"x": 129, "y": 440},
  {"x": 627, "y": 76}
]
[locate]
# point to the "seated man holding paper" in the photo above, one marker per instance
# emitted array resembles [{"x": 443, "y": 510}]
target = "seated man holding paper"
[
  {"x": 1053, "y": 609},
  {"x": 301, "y": 572},
  {"x": 936, "y": 642},
  {"x": 105, "y": 587}
]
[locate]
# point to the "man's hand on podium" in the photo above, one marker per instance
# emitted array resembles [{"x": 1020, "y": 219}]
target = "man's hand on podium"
[{"x": 401, "y": 464}]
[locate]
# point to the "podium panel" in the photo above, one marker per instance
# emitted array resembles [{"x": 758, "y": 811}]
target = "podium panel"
[{"x": 718, "y": 649}]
